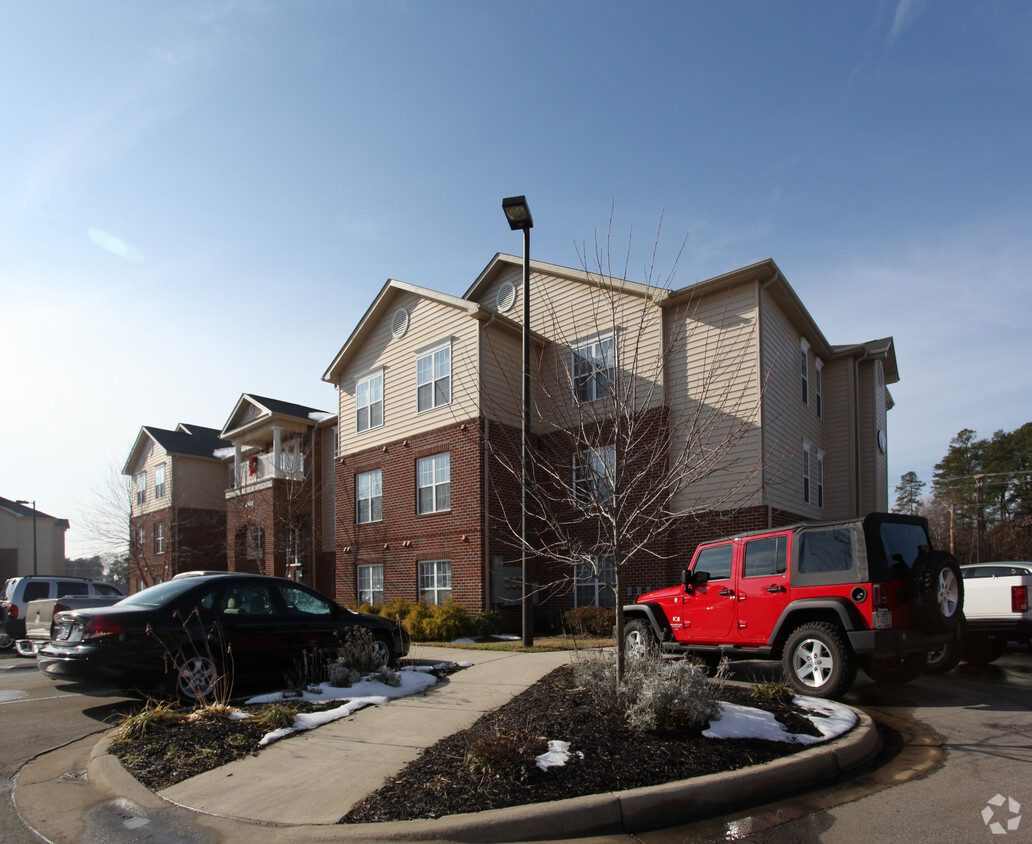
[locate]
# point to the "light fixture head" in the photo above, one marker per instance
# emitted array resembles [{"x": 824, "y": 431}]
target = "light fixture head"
[{"x": 517, "y": 212}]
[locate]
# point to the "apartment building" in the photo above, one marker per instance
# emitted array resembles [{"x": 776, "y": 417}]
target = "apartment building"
[
  {"x": 757, "y": 417},
  {"x": 177, "y": 491},
  {"x": 278, "y": 491},
  {"x": 31, "y": 542}
]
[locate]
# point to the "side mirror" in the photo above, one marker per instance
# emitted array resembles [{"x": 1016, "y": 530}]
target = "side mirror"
[{"x": 693, "y": 578}]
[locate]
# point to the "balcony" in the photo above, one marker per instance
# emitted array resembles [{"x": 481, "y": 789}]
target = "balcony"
[{"x": 259, "y": 468}]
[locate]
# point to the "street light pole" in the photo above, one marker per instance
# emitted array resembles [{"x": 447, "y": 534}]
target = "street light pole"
[
  {"x": 517, "y": 212},
  {"x": 34, "y": 565}
]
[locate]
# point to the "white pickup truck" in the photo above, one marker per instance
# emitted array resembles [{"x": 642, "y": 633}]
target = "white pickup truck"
[{"x": 996, "y": 608}]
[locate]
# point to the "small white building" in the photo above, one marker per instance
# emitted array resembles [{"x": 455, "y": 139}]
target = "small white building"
[{"x": 31, "y": 542}]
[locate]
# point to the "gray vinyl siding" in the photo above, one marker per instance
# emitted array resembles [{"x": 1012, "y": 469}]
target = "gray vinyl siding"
[{"x": 839, "y": 427}]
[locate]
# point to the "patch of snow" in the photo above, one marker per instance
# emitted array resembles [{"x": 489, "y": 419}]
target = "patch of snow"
[
  {"x": 223, "y": 453},
  {"x": 747, "y": 722},
  {"x": 557, "y": 755},
  {"x": 320, "y": 416}
]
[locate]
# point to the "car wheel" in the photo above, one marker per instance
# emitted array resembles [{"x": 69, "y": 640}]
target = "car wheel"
[
  {"x": 383, "y": 653},
  {"x": 6, "y": 642},
  {"x": 639, "y": 642},
  {"x": 897, "y": 671},
  {"x": 981, "y": 650},
  {"x": 818, "y": 661},
  {"x": 943, "y": 658},
  {"x": 936, "y": 592},
  {"x": 197, "y": 679}
]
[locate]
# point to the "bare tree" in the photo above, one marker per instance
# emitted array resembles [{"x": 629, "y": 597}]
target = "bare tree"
[{"x": 646, "y": 418}]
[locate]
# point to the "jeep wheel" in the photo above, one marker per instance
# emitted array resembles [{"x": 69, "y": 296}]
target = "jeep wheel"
[
  {"x": 981, "y": 650},
  {"x": 896, "y": 671},
  {"x": 936, "y": 592},
  {"x": 943, "y": 658},
  {"x": 639, "y": 642},
  {"x": 818, "y": 661}
]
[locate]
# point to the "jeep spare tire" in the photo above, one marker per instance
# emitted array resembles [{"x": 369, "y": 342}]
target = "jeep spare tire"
[{"x": 936, "y": 592}]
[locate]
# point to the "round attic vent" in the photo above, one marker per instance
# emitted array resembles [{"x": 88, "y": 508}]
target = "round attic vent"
[
  {"x": 506, "y": 296},
  {"x": 399, "y": 322}
]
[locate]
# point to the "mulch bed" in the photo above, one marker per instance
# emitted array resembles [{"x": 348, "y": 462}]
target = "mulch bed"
[{"x": 491, "y": 765}]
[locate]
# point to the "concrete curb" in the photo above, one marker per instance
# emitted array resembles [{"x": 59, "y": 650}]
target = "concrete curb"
[{"x": 627, "y": 812}]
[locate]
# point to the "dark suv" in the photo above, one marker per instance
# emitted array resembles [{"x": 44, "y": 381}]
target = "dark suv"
[{"x": 826, "y": 598}]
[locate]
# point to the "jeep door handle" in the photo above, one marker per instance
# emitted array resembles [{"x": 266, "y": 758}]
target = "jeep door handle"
[
  {"x": 726, "y": 592},
  {"x": 775, "y": 589}
]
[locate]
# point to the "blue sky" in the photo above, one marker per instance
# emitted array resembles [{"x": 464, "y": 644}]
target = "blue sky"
[{"x": 199, "y": 199}]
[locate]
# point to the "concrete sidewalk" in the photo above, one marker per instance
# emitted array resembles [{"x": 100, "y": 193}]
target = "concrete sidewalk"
[{"x": 296, "y": 790}]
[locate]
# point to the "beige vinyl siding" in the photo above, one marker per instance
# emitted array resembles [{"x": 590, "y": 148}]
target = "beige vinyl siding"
[
  {"x": 501, "y": 363},
  {"x": 714, "y": 396},
  {"x": 512, "y": 275},
  {"x": 873, "y": 413},
  {"x": 840, "y": 445},
  {"x": 198, "y": 484},
  {"x": 153, "y": 456},
  {"x": 430, "y": 322},
  {"x": 787, "y": 422}
]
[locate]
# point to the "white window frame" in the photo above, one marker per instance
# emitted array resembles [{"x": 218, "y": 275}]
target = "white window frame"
[
  {"x": 140, "y": 482},
  {"x": 369, "y": 398},
  {"x": 434, "y": 371},
  {"x": 369, "y": 584},
  {"x": 159, "y": 481},
  {"x": 159, "y": 537},
  {"x": 818, "y": 387},
  {"x": 255, "y": 541},
  {"x": 434, "y": 473},
  {"x": 596, "y": 577},
  {"x": 435, "y": 581},
  {"x": 294, "y": 542},
  {"x": 369, "y": 490},
  {"x": 804, "y": 359},
  {"x": 594, "y": 476},
  {"x": 590, "y": 362},
  {"x": 806, "y": 473}
]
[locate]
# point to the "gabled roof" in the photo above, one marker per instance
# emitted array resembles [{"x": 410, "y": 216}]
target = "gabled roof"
[
  {"x": 501, "y": 262},
  {"x": 885, "y": 349},
  {"x": 22, "y": 512},
  {"x": 379, "y": 307},
  {"x": 252, "y": 410},
  {"x": 186, "y": 440}
]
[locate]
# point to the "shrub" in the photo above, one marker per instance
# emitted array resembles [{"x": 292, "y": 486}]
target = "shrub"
[
  {"x": 487, "y": 623},
  {"x": 371, "y": 609},
  {"x": 274, "y": 716},
  {"x": 447, "y": 621},
  {"x": 590, "y": 621},
  {"x": 154, "y": 716},
  {"x": 397, "y": 610},
  {"x": 416, "y": 621}
]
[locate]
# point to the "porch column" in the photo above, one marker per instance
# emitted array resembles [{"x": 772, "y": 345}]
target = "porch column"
[
  {"x": 236, "y": 466},
  {"x": 277, "y": 438}
]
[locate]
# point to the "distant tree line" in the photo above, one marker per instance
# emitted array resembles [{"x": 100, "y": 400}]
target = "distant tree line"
[{"x": 980, "y": 503}]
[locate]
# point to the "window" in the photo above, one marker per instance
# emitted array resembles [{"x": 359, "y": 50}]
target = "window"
[
  {"x": 594, "y": 472},
  {"x": 369, "y": 402},
  {"x": 593, "y": 368},
  {"x": 140, "y": 481},
  {"x": 159, "y": 481},
  {"x": 818, "y": 387},
  {"x": 806, "y": 473},
  {"x": 804, "y": 363},
  {"x": 369, "y": 496},
  {"x": 140, "y": 539},
  {"x": 159, "y": 538},
  {"x": 595, "y": 580},
  {"x": 256, "y": 542},
  {"x": 435, "y": 581},
  {"x": 433, "y": 378},
  {"x": 433, "y": 482},
  {"x": 294, "y": 547},
  {"x": 716, "y": 560},
  {"x": 766, "y": 557},
  {"x": 826, "y": 550},
  {"x": 820, "y": 479},
  {"x": 301, "y": 602},
  {"x": 370, "y": 585}
]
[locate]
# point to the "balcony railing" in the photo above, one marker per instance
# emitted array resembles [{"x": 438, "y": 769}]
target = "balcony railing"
[{"x": 262, "y": 467}]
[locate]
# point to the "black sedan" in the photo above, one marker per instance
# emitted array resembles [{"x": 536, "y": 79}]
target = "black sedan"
[{"x": 196, "y": 634}]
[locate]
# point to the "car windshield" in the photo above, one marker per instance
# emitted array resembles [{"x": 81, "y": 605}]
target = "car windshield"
[{"x": 157, "y": 596}]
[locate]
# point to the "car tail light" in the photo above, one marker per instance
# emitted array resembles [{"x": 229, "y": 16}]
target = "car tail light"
[
  {"x": 12, "y": 612},
  {"x": 1019, "y": 599},
  {"x": 879, "y": 595},
  {"x": 59, "y": 607},
  {"x": 100, "y": 626}
]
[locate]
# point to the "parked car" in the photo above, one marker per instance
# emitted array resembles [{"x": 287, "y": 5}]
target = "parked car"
[
  {"x": 825, "y": 598},
  {"x": 195, "y": 636},
  {"x": 18, "y": 591},
  {"x": 39, "y": 616},
  {"x": 997, "y": 609}
]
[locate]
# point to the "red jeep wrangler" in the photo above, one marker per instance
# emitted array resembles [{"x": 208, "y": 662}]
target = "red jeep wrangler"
[{"x": 826, "y": 598}]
